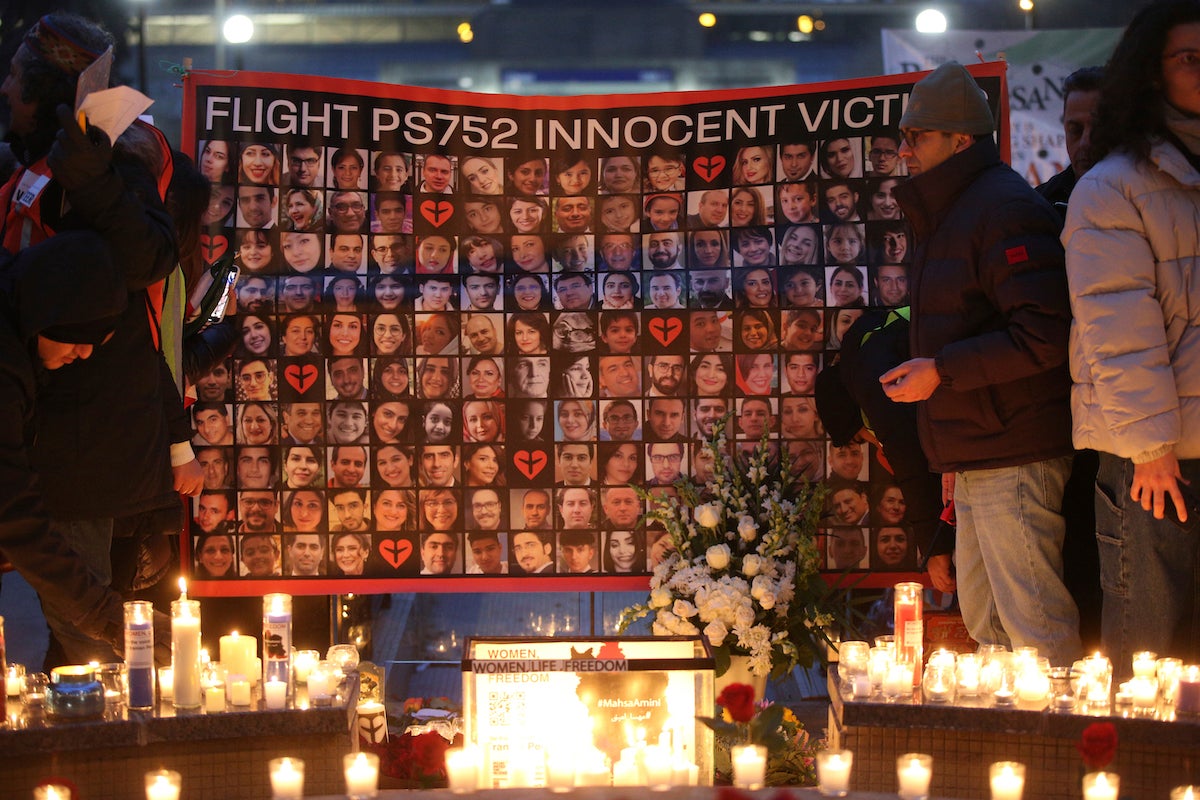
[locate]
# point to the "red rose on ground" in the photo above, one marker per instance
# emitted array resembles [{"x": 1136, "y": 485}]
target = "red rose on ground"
[
  {"x": 1098, "y": 745},
  {"x": 738, "y": 700}
]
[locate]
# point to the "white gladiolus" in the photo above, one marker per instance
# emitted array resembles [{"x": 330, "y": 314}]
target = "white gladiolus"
[
  {"x": 718, "y": 556},
  {"x": 708, "y": 515}
]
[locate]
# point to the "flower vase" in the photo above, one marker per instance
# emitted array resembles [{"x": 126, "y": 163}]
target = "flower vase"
[{"x": 739, "y": 672}]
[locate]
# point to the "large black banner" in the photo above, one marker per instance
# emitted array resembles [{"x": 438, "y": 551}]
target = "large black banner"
[{"x": 470, "y": 322}]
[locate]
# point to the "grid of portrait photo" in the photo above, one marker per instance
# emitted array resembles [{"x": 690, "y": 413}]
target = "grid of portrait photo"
[{"x": 458, "y": 364}]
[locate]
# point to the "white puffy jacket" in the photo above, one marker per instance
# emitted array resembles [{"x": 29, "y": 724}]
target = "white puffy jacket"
[{"x": 1133, "y": 262}]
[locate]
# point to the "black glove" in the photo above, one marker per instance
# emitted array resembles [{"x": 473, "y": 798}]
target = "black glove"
[{"x": 77, "y": 158}]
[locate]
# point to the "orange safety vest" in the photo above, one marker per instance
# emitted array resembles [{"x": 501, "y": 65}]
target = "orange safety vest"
[{"x": 21, "y": 197}]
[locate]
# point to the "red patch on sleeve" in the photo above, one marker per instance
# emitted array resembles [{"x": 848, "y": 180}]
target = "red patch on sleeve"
[{"x": 1016, "y": 255}]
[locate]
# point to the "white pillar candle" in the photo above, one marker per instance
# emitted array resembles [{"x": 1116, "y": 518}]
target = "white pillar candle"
[
  {"x": 214, "y": 698},
  {"x": 1007, "y": 780},
  {"x": 185, "y": 650},
  {"x": 750, "y": 766},
  {"x": 966, "y": 671},
  {"x": 560, "y": 769},
  {"x": 522, "y": 773},
  {"x": 1144, "y": 691},
  {"x": 239, "y": 690},
  {"x": 1032, "y": 685},
  {"x": 14, "y": 680},
  {"x": 913, "y": 774},
  {"x": 625, "y": 773},
  {"x": 275, "y": 694},
  {"x": 833, "y": 772},
  {"x": 1101, "y": 786},
  {"x": 463, "y": 765},
  {"x": 163, "y": 784},
  {"x": 1144, "y": 664},
  {"x": 287, "y": 778},
  {"x": 238, "y": 653},
  {"x": 362, "y": 774},
  {"x": 656, "y": 761}
]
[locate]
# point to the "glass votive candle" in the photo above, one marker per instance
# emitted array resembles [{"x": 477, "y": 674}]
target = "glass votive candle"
[
  {"x": 344, "y": 656},
  {"x": 214, "y": 697},
  {"x": 362, "y": 775},
  {"x": 1168, "y": 671},
  {"x": 112, "y": 678},
  {"x": 303, "y": 664},
  {"x": 320, "y": 684},
  {"x": 163, "y": 784},
  {"x": 1032, "y": 683},
  {"x": 52, "y": 791},
  {"x": 14, "y": 680},
  {"x": 463, "y": 765},
  {"x": 853, "y": 674},
  {"x": 833, "y": 772},
  {"x": 166, "y": 684},
  {"x": 1098, "y": 684},
  {"x": 914, "y": 771},
  {"x": 1145, "y": 662},
  {"x": 897, "y": 683},
  {"x": 287, "y": 778},
  {"x": 937, "y": 684},
  {"x": 656, "y": 766},
  {"x": 1187, "y": 695},
  {"x": 1101, "y": 786},
  {"x": 34, "y": 693},
  {"x": 275, "y": 694},
  {"x": 966, "y": 674},
  {"x": 749, "y": 766},
  {"x": 879, "y": 660},
  {"x": 1185, "y": 793},
  {"x": 943, "y": 658},
  {"x": 1007, "y": 780},
  {"x": 1143, "y": 690},
  {"x": 888, "y": 641}
]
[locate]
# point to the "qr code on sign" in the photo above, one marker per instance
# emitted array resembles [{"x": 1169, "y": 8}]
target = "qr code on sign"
[{"x": 507, "y": 708}]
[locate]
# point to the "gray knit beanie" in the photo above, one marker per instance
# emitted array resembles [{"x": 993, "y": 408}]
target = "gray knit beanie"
[{"x": 948, "y": 99}]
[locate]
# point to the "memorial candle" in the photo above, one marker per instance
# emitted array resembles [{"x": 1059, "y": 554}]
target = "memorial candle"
[
  {"x": 362, "y": 775},
  {"x": 749, "y": 766},
  {"x": 1101, "y": 786},
  {"x": 287, "y": 778},
  {"x": 1187, "y": 697},
  {"x": 910, "y": 630},
  {"x": 139, "y": 653},
  {"x": 1007, "y": 780},
  {"x": 277, "y": 637},
  {"x": 163, "y": 784},
  {"x": 833, "y": 772},
  {"x": 238, "y": 653},
  {"x": 913, "y": 774},
  {"x": 185, "y": 650}
]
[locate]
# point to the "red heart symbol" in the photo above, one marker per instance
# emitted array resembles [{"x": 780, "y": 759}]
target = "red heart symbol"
[
  {"x": 437, "y": 212},
  {"x": 213, "y": 247},
  {"x": 531, "y": 463},
  {"x": 301, "y": 377},
  {"x": 666, "y": 330},
  {"x": 708, "y": 168},
  {"x": 395, "y": 551}
]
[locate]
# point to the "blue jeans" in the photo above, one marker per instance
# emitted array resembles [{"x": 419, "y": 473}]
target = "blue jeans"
[
  {"x": 1008, "y": 555},
  {"x": 1149, "y": 571},
  {"x": 92, "y": 539}
]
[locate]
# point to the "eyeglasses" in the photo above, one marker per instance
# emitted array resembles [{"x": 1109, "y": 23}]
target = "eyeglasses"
[
  {"x": 654, "y": 172},
  {"x": 439, "y": 504},
  {"x": 879, "y": 152},
  {"x": 251, "y": 502},
  {"x": 486, "y": 506},
  {"x": 304, "y": 162},
  {"x": 344, "y": 207},
  {"x": 674, "y": 369},
  {"x": 913, "y": 135},
  {"x": 673, "y": 458}
]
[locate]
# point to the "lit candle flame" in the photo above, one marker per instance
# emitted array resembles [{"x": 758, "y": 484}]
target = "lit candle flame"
[{"x": 183, "y": 589}]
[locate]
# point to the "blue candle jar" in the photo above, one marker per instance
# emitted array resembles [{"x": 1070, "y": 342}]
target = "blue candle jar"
[{"x": 74, "y": 693}]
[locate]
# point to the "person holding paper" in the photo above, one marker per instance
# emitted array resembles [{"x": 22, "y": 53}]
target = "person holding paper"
[{"x": 122, "y": 396}]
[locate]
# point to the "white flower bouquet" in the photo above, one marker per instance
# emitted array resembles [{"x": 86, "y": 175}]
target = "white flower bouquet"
[{"x": 744, "y": 571}]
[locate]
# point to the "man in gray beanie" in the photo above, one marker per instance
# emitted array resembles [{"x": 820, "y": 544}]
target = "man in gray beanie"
[{"x": 990, "y": 320}]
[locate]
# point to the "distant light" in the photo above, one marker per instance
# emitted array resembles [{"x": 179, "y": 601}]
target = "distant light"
[
  {"x": 758, "y": 36},
  {"x": 1025, "y": 5},
  {"x": 707, "y": 19},
  {"x": 804, "y": 23},
  {"x": 238, "y": 29},
  {"x": 931, "y": 21},
  {"x": 820, "y": 24},
  {"x": 465, "y": 34},
  {"x": 463, "y": 27}
]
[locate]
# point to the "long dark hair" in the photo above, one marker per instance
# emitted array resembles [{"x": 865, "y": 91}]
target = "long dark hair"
[{"x": 1130, "y": 112}]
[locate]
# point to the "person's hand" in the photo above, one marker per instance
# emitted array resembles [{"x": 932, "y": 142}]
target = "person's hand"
[
  {"x": 941, "y": 572},
  {"x": 912, "y": 381},
  {"x": 77, "y": 158},
  {"x": 189, "y": 478},
  {"x": 1154, "y": 481},
  {"x": 947, "y": 488}
]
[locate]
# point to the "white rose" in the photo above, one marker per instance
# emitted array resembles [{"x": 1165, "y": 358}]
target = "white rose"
[
  {"x": 684, "y": 609},
  {"x": 708, "y": 515},
  {"x": 718, "y": 556},
  {"x": 716, "y": 632},
  {"x": 763, "y": 591},
  {"x": 747, "y": 529},
  {"x": 660, "y": 598},
  {"x": 751, "y": 566}
]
